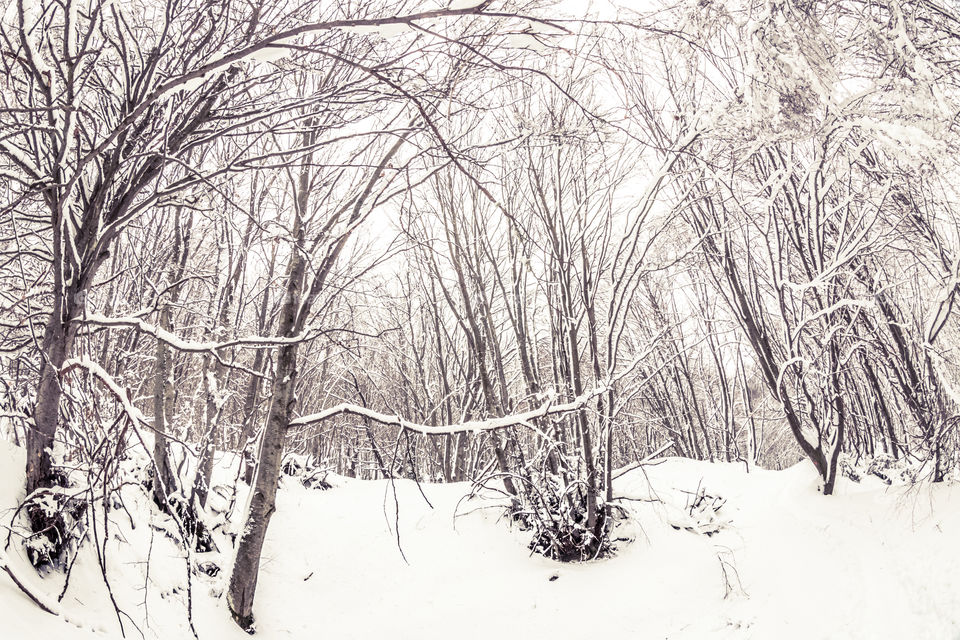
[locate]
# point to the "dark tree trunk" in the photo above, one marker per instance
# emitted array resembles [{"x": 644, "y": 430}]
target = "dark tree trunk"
[{"x": 46, "y": 416}]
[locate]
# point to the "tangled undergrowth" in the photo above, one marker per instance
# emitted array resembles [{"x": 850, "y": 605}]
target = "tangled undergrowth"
[
  {"x": 553, "y": 508},
  {"x": 565, "y": 535},
  {"x": 883, "y": 466},
  {"x": 56, "y": 522},
  {"x": 309, "y": 471},
  {"x": 557, "y": 515}
]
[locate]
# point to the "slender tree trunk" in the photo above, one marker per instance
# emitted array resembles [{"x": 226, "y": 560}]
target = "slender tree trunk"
[
  {"x": 164, "y": 479},
  {"x": 248, "y": 433},
  {"x": 295, "y": 309},
  {"x": 243, "y": 581},
  {"x": 215, "y": 385},
  {"x": 460, "y": 462},
  {"x": 211, "y": 417}
]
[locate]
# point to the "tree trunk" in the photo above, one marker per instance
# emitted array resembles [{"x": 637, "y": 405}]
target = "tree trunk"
[
  {"x": 46, "y": 416},
  {"x": 243, "y": 581},
  {"x": 164, "y": 479},
  {"x": 248, "y": 433},
  {"x": 211, "y": 417}
]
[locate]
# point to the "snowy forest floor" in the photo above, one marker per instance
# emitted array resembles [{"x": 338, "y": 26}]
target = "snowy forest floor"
[{"x": 873, "y": 562}]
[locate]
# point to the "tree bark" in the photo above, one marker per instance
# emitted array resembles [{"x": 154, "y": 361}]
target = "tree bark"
[
  {"x": 46, "y": 416},
  {"x": 164, "y": 479},
  {"x": 243, "y": 581}
]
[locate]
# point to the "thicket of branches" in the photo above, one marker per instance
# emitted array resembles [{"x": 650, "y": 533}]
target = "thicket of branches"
[{"x": 470, "y": 243}]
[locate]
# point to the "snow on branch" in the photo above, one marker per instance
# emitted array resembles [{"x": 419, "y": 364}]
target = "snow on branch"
[
  {"x": 524, "y": 419},
  {"x": 267, "y": 49},
  {"x": 636, "y": 465},
  {"x": 180, "y": 344},
  {"x": 122, "y": 395},
  {"x": 45, "y": 602}
]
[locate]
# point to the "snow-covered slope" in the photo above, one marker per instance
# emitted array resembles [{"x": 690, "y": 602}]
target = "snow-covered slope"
[{"x": 785, "y": 562}]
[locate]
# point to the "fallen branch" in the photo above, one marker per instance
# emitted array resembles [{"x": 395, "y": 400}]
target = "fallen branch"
[{"x": 41, "y": 600}]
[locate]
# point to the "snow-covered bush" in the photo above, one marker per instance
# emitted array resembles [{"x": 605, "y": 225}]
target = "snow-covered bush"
[{"x": 551, "y": 503}]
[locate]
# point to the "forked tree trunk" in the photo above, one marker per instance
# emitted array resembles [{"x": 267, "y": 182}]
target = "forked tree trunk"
[
  {"x": 55, "y": 349},
  {"x": 243, "y": 580},
  {"x": 293, "y": 316}
]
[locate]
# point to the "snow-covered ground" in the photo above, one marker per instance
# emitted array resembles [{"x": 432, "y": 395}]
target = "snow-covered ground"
[{"x": 873, "y": 562}]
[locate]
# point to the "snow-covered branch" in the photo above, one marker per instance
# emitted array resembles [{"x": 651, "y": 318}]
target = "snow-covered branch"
[
  {"x": 524, "y": 419},
  {"x": 192, "y": 346},
  {"x": 42, "y": 600},
  {"x": 266, "y": 49},
  {"x": 122, "y": 396}
]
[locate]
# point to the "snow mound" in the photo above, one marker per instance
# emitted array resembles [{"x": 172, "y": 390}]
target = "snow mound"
[{"x": 367, "y": 559}]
